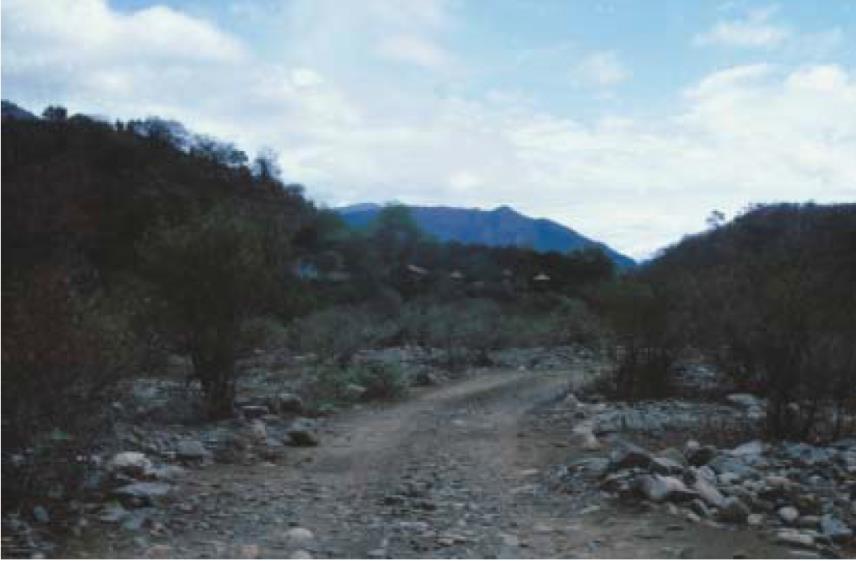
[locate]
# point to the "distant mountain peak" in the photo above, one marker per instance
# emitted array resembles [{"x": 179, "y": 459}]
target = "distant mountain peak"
[{"x": 502, "y": 226}]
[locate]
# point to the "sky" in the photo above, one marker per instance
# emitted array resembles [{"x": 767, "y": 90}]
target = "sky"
[{"x": 628, "y": 121}]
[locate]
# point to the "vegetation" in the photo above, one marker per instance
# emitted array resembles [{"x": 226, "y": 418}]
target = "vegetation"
[
  {"x": 127, "y": 241},
  {"x": 769, "y": 297}
]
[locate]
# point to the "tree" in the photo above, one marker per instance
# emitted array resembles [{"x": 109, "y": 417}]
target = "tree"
[
  {"x": 395, "y": 234},
  {"x": 265, "y": 166},
  {"x": 211, "y": 273},
  {"x": 55, "y": 113}
]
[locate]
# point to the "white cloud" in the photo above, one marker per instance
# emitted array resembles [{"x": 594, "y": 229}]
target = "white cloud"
[
  {"x": 414, "y": 50},
  {"x": 754, "y": 31},
  {"x": 306, "y": 78},
  {"x": 739, "y": 135},
  {"x": 600, "y": 69}
]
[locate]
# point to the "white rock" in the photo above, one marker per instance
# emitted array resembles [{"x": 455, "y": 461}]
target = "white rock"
[
  {"x": 788, "y": 514},
  {"x": 299, "y": 537},
  {"x": 134, "y": 463}
]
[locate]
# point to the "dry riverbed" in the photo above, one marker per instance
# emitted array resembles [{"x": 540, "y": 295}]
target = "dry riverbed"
[{"x": 470, "y": 469}]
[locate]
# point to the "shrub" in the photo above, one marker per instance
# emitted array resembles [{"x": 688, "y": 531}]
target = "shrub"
[
  {"x": 337, "y": 333},
  {"x": 262, "y": 331},
  {"x": 210, "y": 273},
  {"x": 333, "y": 384},
  {"x": 381, "y": 380}
]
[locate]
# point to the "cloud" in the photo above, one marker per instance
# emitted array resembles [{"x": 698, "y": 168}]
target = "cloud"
[
  {"x": 742, "y": 134},
  {"x": 755, "y": 30},
  {"x": 601, "y": 69},
  {"x": 414, "y": 50}
]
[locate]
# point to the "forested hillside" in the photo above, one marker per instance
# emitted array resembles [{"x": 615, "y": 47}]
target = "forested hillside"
[
  {"x": 125, "y": 241},
  {"x": 770, "y": 297}
]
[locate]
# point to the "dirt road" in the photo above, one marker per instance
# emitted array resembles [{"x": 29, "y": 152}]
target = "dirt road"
[{"x": 457, "y": 471}]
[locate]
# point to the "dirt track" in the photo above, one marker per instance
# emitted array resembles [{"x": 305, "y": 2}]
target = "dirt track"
[{"x": 457, "y": 471}]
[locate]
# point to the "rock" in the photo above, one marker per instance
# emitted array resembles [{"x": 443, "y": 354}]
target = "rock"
[
  {"x": 594, "y": 466},
  {"x": 789, "y": 536},
  {"x": 133, "y": 464},
  {"x": 675, "y": 455},
  {"x": 809, "y": 504},
  {"x": 300, "y": 554},
  {"x": 301, "y": 435},
  {"x": 142, "y": 492},
  {"x": 788, "y": 515},
  {"x": 701, "y": 455},
  {"x": 666, "y": 466},
  {"x": 728, "y": 478},
  {"x": 755, "y": 520},
  {"x": 627, "y": 455},
  {"x": 166, "y": 472},
  {"x": 250, "y": 412},
  {"x": 40, "y": 514},
  {"x": 707, "y": 492},
  {"x": 286, "y": 402},
  {"x": 160, "y": 551},
  {"x": 584, "y": 436},
  {"x": 113, "y": 513},
  {"x": 426, "y": 378},
  {"x": 299, "y": 537},
  {"x": 660, "y": 488},
  {"x": 726, "y": 463},
  {"x": 191, "y": 450},
  {"x": 258, "y": 431},
  {"x": 745, "y": 400},
  {"x": 706, "y": 473},
  {"x": 699, "y": 507},
  {"x": 834, "y": 529},
  {"x": 752, "y": 448},
  {"x": 733, "y": 511},
  {"x": 808, "y": 522},
  {"x": 354, "y": 392},
  {"x": 249, "y": 551}
]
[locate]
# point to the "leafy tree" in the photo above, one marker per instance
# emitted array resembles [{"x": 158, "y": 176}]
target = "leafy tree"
[{"x": 211, "y": 273}]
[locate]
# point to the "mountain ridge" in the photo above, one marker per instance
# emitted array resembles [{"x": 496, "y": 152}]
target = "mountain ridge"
[{"x": 501, "y": 226}]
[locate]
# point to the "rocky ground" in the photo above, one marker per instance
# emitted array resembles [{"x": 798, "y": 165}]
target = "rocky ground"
[{"x": 501, "y": 463}]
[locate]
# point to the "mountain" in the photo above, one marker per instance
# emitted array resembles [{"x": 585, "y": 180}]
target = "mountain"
[
  {"x": 12, "y": 111},
  {"x": 502, "y": 226}
]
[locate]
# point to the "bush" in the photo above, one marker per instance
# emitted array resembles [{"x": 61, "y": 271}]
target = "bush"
[
  {"x": 211, "y": 273},
  {"x": 381, "y": 380},
  {"x": 332, "y": 384},
  {"x": 338, "y": 333},
  {"x": 262, "y": 332},
  {"x": 63, "y": 354}
]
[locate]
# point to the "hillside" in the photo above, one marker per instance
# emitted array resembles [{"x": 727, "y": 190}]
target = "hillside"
[{"x": 500, "y": 227}]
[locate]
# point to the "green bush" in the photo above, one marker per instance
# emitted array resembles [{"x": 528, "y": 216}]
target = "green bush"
[
  {"x": 336, "y": 334},
  {"x": 335, "y": 385},
  {"x": 381, "y": 380},
  {"x": 262, "y": 332}
]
